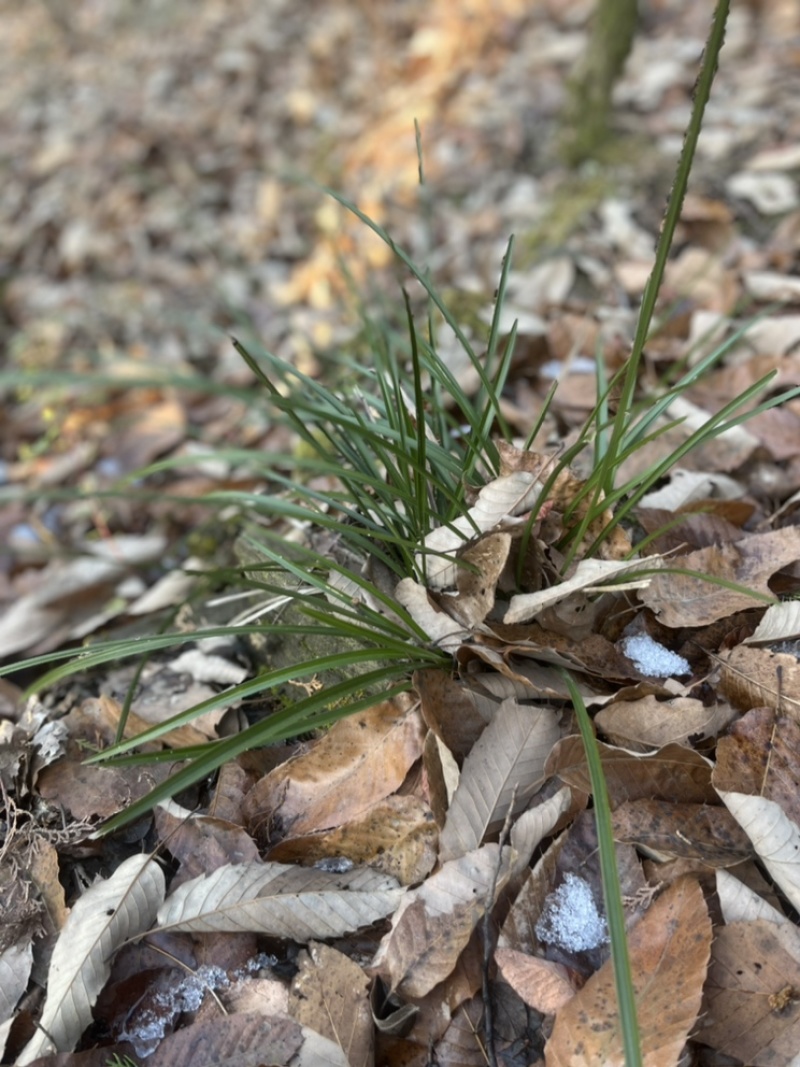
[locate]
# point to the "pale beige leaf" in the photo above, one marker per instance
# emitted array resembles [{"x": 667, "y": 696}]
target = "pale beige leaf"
[
  {"x": 108, "y": 913},
  {"x": 740, "y": 903},
  {"x": 649, "y": 723},
  {"x": 440, "y": 627},
  {"x": 781, "y": 622},
  {"x": 506, "y": 496},
  {"x": 279, "y": 900},
  {"x": 669, "y": 949},
  {"x": 509, "y": 756},
  {"x": 535, "y": 824},
  {"x": 686, "y": 487},
  {"x": 775, "y": 838},
  {"x": 591, "y": 575},
  {"x": 330, "y": 994},
  {"x": 435, "y": 921}
]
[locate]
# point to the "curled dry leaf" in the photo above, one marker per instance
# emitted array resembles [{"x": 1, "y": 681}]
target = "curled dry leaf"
[
  {"x": 108, "y": 913},
  {"x": 780, "y": 622},
  {"x": 298, "y": 903},
  {"x": 508, "y": 759},
  {"x": 775, "y": 838},
  {"x": 507, "y": 496},
  {"x": 740, "y": 903},
  {"x": 591, "y": 576},
  {"x": 442, "y": 629},
  {"x": 669, "y": 951},
  {"x": 476, "y": 588},
  {"x": 435, "y": 921}
]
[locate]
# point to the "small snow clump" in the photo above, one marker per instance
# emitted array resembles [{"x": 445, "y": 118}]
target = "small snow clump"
[
  {"x": 652, "y": 659},
  {"x": 570, "y": 917}
]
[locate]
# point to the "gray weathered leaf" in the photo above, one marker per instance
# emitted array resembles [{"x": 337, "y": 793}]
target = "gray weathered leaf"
[
  {"x": 108, "y": 913},
  {"x": 281, "y": 900}
]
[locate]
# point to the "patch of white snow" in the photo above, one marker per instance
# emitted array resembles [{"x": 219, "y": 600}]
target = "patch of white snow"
[
  {"x": 652, "y": 659},
  {"x": 570, "y": 917}
]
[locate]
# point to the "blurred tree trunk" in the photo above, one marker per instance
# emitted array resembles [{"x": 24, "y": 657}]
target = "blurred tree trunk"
[{"x": 587, "y": 114}]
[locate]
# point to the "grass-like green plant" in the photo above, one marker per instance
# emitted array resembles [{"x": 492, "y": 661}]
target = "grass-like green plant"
[{"x": 380, "y": 464}]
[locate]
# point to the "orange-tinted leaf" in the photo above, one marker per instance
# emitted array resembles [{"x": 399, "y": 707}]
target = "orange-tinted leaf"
[
  {"x": 543, "y": 984},
  {"x": 669, "y": 953},
  {"x": 362, "y": 759}
]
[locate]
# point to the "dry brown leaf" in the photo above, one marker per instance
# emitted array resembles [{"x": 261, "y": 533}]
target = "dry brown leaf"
[
  {"x": 650, "y": 723},
  {"x": 673, "y": 771},
  {"x": 756, "y": 677},
  {"x": 329, "y": 994},
  {"x": 682, "y": 600},
  {"x": 360, "y": 760},
  {"x": 108, "y": 913},
  {"x": 200, "y": 842},
  {"x": 542, "y": 984},
  {"x": 760, "y": 755},
  {"x": 507, "y": 760},
  {"x": 450, "y": 710},
  {"x": 398, "y": 836},
  {"x": 241, "y": 1039},
  {"x": 461, "y": 1045},
  {"x": 434, "y": 922},
  {"x": 752, "y": 1001},
  {"x": 298, "y": 903},
  {"x": 697, "y": 831},
  {"x": 669, "y": 951}
]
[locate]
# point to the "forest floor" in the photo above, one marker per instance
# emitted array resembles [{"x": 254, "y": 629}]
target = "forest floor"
[{"x": 162, "y": 166}]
